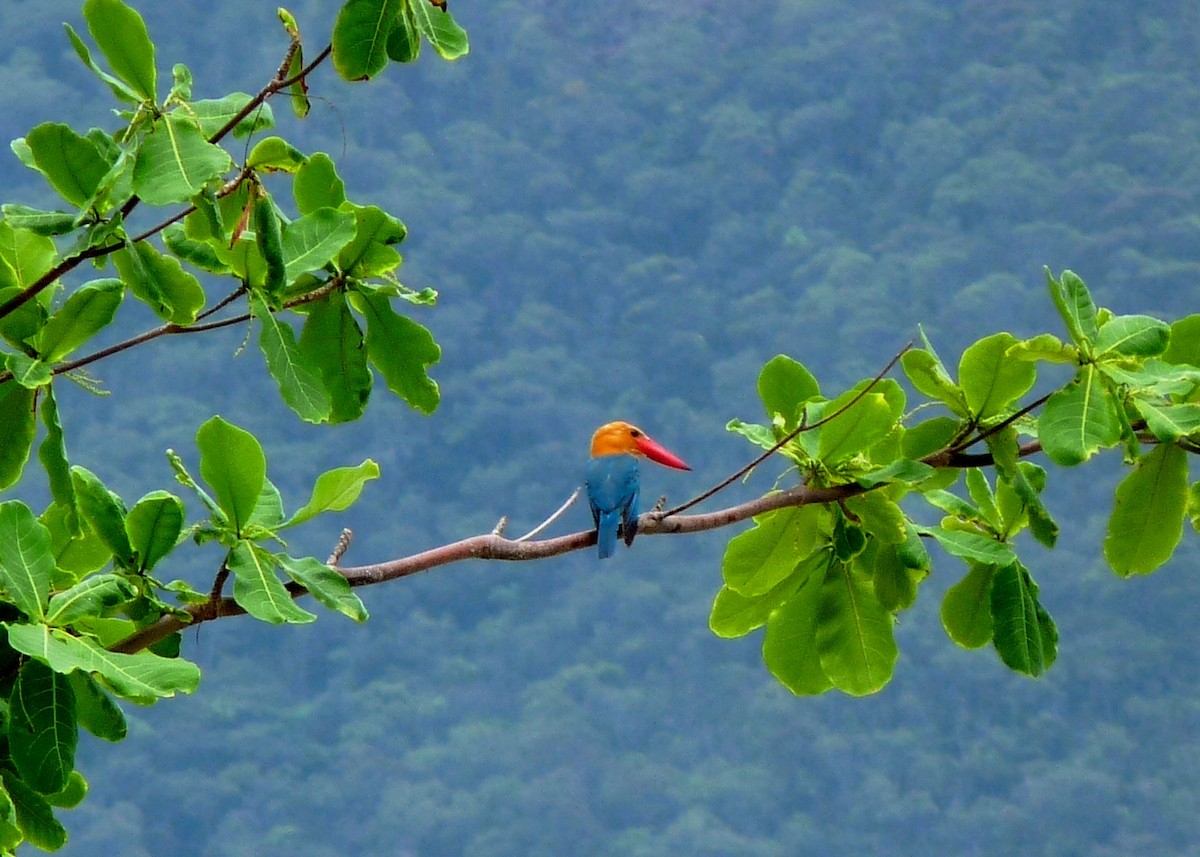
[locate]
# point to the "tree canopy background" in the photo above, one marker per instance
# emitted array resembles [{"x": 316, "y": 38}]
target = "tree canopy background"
[{"x": 626, "y": 212}]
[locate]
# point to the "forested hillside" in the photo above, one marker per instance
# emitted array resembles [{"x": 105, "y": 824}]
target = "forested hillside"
[{"x": 626, "y": 211}]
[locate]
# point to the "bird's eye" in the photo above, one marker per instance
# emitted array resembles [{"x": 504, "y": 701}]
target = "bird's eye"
[{"x": 635, "y": 433}]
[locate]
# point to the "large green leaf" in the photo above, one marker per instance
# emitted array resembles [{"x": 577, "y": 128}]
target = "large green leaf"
[
  {"x": 1079, "y": 420},
  {"x": 258, "y": 589},
  {"x": 26, "y": 564},
  {"x": 38, "y": 221},
  {"x": 789, "y": 646},
  {"x": 854, "y": 638},
  {"x": 42, "y": 729},
  {"x": 121, "y": 35},
  {"x": 175, "y": 161},
  {"x": 372, "y": 252},
  {"x": 439, "y": 27},
  {"x": 1166, "y": 422},
  {"x": 299, "y": 381},
  {"x": 89, "y": 309},
  {"x": 360, "y": 36},
  {"x": 1132, "y": 336},
  {"x": 317, "y": 185},
  {"x": 213, "y": 114},
  {"x": 96, "y": 710},
  {"x": 404, "y": 42},
  {"x": 104, "y": 512},
  {"x": 1024, "y": 634},
  {"x": 90, "y": 597},
  {"x": 973, "y": 547},
  {"x": 860, "y": 425},
  {"x": 757, "y": 560},
  {"x": 234, "y": 466},
  {"x": 325, "y": 584},
  {"x": 335, "y": 490},
  {"x": 1147, "y": 518},
  {"x": 401, "y": 350},
  {"x": 18, "y": 426},
  {"x": 160, "y": 281},
  {"x": 120, "y": 88},
  {"x": 1074, "y": 303},
  {"x": 784, "y": 385},
  {"x": 154, "y": 524},
  {"x": 991, "y": 379},
  {"x": 1184, "y": 346},
  {"x": 72, "y": 163},
  {"x": 734, "y": 614},
  {"x": 139, "y": 677},
  {"x": 333, "y": 342},
  {"x": 311, "y": 241},
  {"x": 25, "y": 256},
  {"x": 34, "y": 814},
  {"x": 967, "y": 607}
]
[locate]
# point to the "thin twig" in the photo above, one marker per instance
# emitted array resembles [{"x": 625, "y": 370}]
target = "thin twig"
[{"x": 558, "y": 514}]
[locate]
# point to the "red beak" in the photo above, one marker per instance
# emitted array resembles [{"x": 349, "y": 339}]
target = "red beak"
[{"x": 656, "y": 452}]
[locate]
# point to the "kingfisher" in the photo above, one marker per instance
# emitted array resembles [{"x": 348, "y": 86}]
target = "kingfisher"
[{"x": 612, "y": 480}]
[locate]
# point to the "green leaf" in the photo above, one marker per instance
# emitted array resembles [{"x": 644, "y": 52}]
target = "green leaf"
[
  {"x": 1074, "y": 303},
  {"x": 38, "y": 221},
  {"x": 1168, "y": 423},
  {"x": 76, "y": 553},
  {"x": 360, "y": 36},
  {"x": 275, "y": 154},
  {"x": 268, "y": 512},
  {"x": 784, "y": 385},
  {"x": 27, "y": 256},
  {"x": 973, "y": 547},
  {"x": 442, "y": 31},
  {"x": 259, "y": 590},
  {"x": 86, "y": 312},
  {"x": 1045, "y": 347},
  {"x": 879, "y": 516},
  {"x": 159, "y": 281},
  {"x": 137, "y": 677},
  {"x": 317, "y": 185},
  {"x": 268, "y": 237},
  {"x": 967, "y": 607},
  {"x": 789, "y": 646},
  {"x": 105, "y": 513},
  {"x": 1184, "y": 346},
  {"x": 325, "y": 584},
  {"x": 757, "y": 560},
  {"x": 1078, "y": 420},
  {"x": 401, "y": 350},
  {"x": 234, "y": 466},
  {"x": 372, "y": 253},
  {"x": 193, "y": 251},
  {"x": 121, "y": 35},
  {"x": 991, "y": 379},
  {"x": 154, "y": 524},
  {"x": 34, "y": 815},
  {"x": 18, "y": 425},
  {"x": 862, "y": 424},
  {"x": 983, "y": 498},
  {"x": 70, "y": 795},
  {"x": 1132, "y": 336},
  {"x": 903, "y": 470},
  {"x": 215, "y": 113},
  {"x": 174, "y": 161},
  {"x": 26, "y": 564},
  {"x": 897, "y": 570},
  {"x": 1024, "y": 634},
  {"x": 404, "y": 42},
  {"x": 854, "y": 637},
  {"x": 28, "y": 371},
  {"x": 53, "y": 455},
  {"x": 73, "y": 164},
  {"x": 332, "y": 342},
  {"x": 299, "y": 381},
  {"x": 1147, "y": 518},
  {"x": 335, "y": 490},
  {"x": 930, "y": 377},
  {"x": 42, "y": 730},
  {"x": 90, "y": 597},
  {"x": 310, "y": 242},
  {"x": 96, "y": 710},
  {"x": 1015, "y": 475},
  {"x": 119, "y": 88}
]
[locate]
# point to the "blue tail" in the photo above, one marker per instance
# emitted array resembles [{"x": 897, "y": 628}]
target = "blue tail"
[{"x": 606, "y": 532}]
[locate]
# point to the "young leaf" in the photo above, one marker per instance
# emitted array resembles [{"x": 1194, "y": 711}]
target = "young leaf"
[
  {"x": 317, "y": 185},
  {"x": 105, "y": 513},
  {"x": 335, "y": 490},
  {"x": 121, "y": 35},
  {"x": 1015, "y": 474},
  {"x": 332, "y": 342},
  {"x": 967, "y": 607},
  {"x": 268, "y": 237},
  {"x": 991, "y": 379},
  {"x": 299, "y": 382},
  {"x": 360, "y": 37},
  {"x": 1147, "y": 518},
  {"x": 28, "y": 371},
  {"x": 258, "y": 589},
  {"x": 1074, "y": 303},
  {"x": 53, "y": 455},
  {"x": 401, "y": 350},
  {"x": 325, "y": 584},
  {"x": 86, "y": 312},
  {"x": 442, "y": 31},
  {"x": 154, "y": 524},
  {"x": 214, "y": 114},
  {"x": 784, "y": 385},
  {"x": 174, "y": 161},
  {"x": 26, "y": 564},
  {"x": 972, "y": 547},
  {"x": 18, "y": 425},
  {"x": 71, "y": 163},
  {"x": 234, "y": 466},
  {"x": 855, "y": 429},
  {"x": 1045, "y": 347},
  {"x": 275, "y": 154},
  {"x": 195, "y": 252},
  {"x": 90, "y": 597},
  {"x": 854, "y": 639},
  {"x": 138, "y": 677},
  {"x": 929, "y": 376},
  {"x": 758, "y": 559},
  {"x": 1024, "y": 634},
  {"x": 1079, "y": 420},
  {"x": 789, "y": 647}
]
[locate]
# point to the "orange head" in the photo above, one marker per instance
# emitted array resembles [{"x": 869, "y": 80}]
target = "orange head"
[{"x": 621, "y": 437}]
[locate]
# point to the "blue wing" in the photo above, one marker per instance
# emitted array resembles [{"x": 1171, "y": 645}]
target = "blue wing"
[{"x": 612, "y": 489}]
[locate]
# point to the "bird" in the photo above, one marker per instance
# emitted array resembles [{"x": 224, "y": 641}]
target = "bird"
[{"x": 612, "y": 480}]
